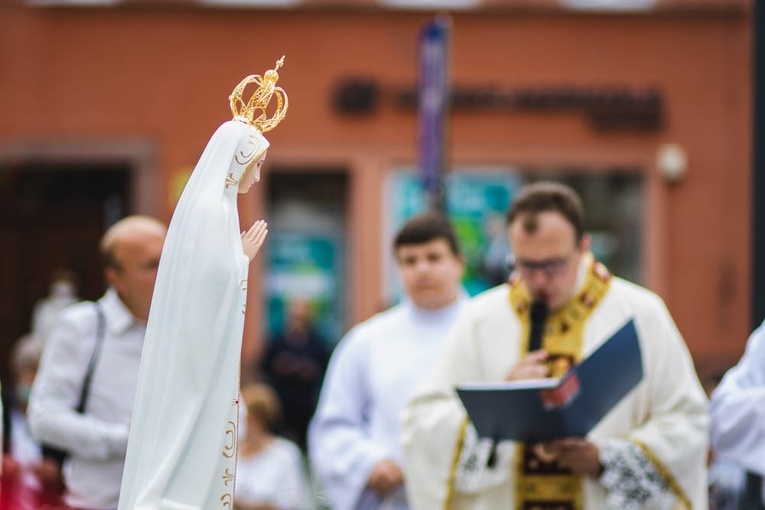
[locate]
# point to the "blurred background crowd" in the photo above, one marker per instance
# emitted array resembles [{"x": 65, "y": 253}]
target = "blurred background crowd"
[{"x": 645, "y": 107}]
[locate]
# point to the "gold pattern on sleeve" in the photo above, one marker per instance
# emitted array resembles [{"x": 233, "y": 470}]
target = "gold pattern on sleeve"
[
  {"x": 229, "y": 449},
  {"x": 685, "y": 503},
  {"x": 455, "y": 464},
  {"x": 228, "y": 477}
]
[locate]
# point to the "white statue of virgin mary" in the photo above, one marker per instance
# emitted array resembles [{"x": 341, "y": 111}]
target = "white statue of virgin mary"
[{"x": 182, "y": 447}]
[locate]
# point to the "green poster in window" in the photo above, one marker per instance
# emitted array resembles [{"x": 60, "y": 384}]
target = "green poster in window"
[
  {"x": 476, "y": 203},
  {"x": 306, "y": 266}
]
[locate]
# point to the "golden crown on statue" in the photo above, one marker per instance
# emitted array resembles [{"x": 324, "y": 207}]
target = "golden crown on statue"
[{"x": 253, "y": 112}]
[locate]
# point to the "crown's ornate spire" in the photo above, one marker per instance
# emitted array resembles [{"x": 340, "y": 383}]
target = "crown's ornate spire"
[{"x": 253, "y": 111}]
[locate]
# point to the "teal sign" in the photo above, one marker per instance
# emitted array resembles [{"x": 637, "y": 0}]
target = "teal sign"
[
  {"x": 476, "y": 203},
  {"x": 306, "y": 266}
]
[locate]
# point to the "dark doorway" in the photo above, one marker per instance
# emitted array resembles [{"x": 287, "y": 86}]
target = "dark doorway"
[{"x": 51, "y": 217}]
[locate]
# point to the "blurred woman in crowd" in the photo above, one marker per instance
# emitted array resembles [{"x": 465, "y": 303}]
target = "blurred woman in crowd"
[{"x": 270, "y": 472}]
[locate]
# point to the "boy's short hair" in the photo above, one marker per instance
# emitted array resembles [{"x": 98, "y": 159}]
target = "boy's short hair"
[{"x": 424, "y": 228}]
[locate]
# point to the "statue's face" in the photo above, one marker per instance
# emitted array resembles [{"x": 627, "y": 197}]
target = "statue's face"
[{"x": 251, "y": 174}]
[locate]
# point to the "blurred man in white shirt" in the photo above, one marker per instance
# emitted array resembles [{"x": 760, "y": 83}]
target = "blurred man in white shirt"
[{"x": 96, "y": 439}]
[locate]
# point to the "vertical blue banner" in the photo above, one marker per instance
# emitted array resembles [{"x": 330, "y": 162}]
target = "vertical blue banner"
[{"x": 433, "y": 107}]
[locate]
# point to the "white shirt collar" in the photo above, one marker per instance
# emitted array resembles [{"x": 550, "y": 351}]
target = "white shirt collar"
[
  {"x": 424, "y": 314},
  {"x": 118, "y": 317}
]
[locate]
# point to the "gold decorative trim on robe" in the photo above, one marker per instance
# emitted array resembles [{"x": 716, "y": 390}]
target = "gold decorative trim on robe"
[
  {"x": 541, "y": 485},
  {"x": 455, "y": 463},
  {"x": 683, "y": 502}
]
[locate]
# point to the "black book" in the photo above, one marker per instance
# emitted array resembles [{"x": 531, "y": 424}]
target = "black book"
[{"x": 570, "y": 406}]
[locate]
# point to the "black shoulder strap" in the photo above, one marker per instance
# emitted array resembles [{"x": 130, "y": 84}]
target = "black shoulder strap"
[
  {"x": 8, "y": 403},
  {"x": 85, "y": 390},
  {"x": 60, "y": 455},
  {"x": 752, "y": 499}
]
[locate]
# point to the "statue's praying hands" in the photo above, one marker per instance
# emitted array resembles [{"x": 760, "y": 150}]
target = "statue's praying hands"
[{"x": 253, "y": 238}]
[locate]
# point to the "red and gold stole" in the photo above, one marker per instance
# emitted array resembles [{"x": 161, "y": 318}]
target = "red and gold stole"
[{"x": 541, "y": 485}]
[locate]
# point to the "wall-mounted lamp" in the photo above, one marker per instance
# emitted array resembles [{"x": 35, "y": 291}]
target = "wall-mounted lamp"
[{"x": 672, "y": 162}]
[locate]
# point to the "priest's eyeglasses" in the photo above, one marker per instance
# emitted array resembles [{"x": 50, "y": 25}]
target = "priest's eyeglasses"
[{"x": 550, "y": 268}]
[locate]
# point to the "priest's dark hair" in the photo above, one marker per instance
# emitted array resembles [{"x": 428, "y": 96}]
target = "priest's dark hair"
[{"x": 540, "y": 197}]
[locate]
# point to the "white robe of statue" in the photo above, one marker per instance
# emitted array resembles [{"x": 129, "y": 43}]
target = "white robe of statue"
[{"x": 182, "y": 447}]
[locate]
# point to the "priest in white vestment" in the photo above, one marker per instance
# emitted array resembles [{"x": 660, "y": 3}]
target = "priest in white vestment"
[
  {"x": 649, "y": 452},
  {"x": 354, "y": 436},
  {"x": 182, "y": 445},
  {"x": 738, "y": 410}
]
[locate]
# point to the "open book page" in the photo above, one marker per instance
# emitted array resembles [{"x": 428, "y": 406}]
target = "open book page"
[{"x": 547, "y": 383}]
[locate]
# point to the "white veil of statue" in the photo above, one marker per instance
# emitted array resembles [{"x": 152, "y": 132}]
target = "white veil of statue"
[{"x": 182, "y": 447}]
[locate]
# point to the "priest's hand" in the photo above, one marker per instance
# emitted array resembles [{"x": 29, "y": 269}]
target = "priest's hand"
[
  {"x": 577, "y": 454},
  {"x": 253, "y": 238},
  {"x": 386, "y": 477},
  {"x": 532, "y": 366}
]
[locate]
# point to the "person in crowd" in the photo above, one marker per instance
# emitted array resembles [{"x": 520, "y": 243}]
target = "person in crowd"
[
  {"x": 354, "y": 435},
  {"x": 82, "y": 397},
  {"x": 62, "y": 293},
  {"x": 727, "y": 483},
  {"x": 648, "y": 452},
  {"x": 30, "y": 480},
  {"x": 496, "y": 252},
  {"x": 270, "y": 474},
  {"x": 737, "y": 425},
  {"x": 294, "y": 364}
]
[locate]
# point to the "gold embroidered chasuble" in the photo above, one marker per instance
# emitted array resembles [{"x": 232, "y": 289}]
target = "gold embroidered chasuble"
[
  {"x": 665, "y": 415},
  {"x": 540, "y": 484}
]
